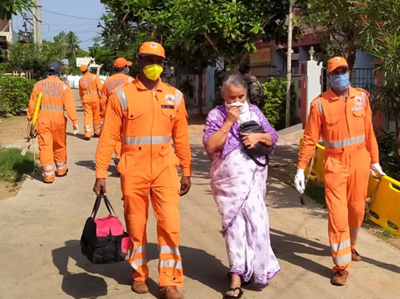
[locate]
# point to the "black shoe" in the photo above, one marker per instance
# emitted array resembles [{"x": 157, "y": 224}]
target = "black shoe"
[{"x": 60, "y": 176}]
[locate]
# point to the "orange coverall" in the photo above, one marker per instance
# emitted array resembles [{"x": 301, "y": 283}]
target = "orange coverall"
[
  {"x": 90, "y": 91},
  {"x": 147, "y": 121},
  {"x": 109, "y": 85},
  {"x": 51, "y": 124},
  {"x": 350, "y": 147}
]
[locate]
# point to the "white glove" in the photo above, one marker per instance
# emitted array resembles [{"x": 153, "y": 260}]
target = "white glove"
[
  {"x": 377, "y": 167},
  {"x": 299, "y": 181},
  {"x": 76, "y": 129}
]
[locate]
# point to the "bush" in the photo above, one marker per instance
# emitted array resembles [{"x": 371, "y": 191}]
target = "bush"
[
  {"x": 275, "y": 107},
  {"x": 14, "y": 94},
  {"x": 387, "y": 154},
  {"x": 13, "y": 166}
]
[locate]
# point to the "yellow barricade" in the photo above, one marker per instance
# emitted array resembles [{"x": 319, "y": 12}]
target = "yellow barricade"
[
  {"x": 385, "y": 205},
  {"x": 317, "y": 172}
]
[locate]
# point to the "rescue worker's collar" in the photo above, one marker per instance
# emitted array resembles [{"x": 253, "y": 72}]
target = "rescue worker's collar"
[
  {"x": 333, "y": 96},
  {"x": 140, "y": 85}
]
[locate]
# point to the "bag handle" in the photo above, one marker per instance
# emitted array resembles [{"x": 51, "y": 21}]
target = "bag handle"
[
  {"x": 258, "y": 162},
  {"x": 97, "y": 205}
]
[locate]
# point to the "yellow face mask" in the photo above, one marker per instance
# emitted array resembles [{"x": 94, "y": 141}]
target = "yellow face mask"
[{"x": 153, "y": 71}]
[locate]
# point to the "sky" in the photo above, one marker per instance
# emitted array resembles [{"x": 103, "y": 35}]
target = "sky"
[{"x": 79, "y": 16}]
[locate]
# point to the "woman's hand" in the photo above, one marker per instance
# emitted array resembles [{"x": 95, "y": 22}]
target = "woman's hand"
[
  {"x": 232, "y": 115},
  {"x": 251, "y": 139}
]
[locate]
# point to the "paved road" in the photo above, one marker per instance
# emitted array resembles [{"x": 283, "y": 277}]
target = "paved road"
[{"x": 40, "y": 230}]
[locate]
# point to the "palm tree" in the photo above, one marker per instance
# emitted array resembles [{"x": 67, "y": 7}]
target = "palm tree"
[{"x": 72, "y": 41}]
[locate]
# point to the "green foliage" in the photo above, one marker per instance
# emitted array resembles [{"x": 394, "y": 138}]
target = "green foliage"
[
  {"x": 70, "y": 43},
  {"x": 337, "y": 25},
  {"x": 388, "y": 154},
  {"x": 381, "y": 36},
  {"x": 12, "y": 7},
  {"x": 34, "y": 57},
  {"x": 186, "y": 86},
  {"x": 14, "y": 94},
  {"x": 275, "y": 94},
  {"x": 14, "y": 166}
]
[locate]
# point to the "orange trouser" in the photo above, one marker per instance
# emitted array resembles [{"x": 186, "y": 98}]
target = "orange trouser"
[
  {"x": 52, "y": 148},
  {"x": 91, "y": 114},
  {"x": 346, "y": 184},
  {"x": 152, "y": 173}
]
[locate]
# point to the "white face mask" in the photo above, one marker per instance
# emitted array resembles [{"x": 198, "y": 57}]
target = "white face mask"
[{"x": 244, "y": 110}]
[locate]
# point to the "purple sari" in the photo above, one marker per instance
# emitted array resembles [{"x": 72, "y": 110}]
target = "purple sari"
[{"x": 239, "y": 188}]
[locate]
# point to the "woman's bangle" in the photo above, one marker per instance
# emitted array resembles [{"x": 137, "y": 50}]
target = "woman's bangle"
[{"x": 225, "y": 131}]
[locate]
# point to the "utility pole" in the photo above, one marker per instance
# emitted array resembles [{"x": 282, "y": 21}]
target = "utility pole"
[
  {"x": 37, "y": 23},
  {"x": 289, "y": 64}
]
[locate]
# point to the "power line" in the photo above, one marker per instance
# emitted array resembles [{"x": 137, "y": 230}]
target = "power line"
[{"x": 82, "y": 18}]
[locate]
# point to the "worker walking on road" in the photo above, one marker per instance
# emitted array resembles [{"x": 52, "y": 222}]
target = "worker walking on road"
[
  {"x": 90, "y": 91},
  {"x": 51, "y": 122},
  {"x": 148, "y": 114},
  {"x": 342, "y": 117},
  {"x": 121, "y": 68}
]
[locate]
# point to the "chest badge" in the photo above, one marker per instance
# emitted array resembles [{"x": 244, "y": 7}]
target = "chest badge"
[
  {"x": 170, "y": 99},
  {"x": 358, "y": 100}
]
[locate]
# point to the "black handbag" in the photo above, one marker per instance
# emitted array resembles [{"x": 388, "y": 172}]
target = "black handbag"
[
  {"x": 260, "y": 149},
  {"x": 103, "y": 240}
]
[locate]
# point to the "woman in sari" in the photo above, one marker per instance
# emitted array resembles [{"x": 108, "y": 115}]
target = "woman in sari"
[{"x": 239, "y": 186}]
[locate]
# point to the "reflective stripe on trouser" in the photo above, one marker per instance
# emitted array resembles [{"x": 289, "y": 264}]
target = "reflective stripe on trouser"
[
  {"x": 62, "y": 168},
  {"x": 52, "y": 146},
  {"x": 346, "y": 183},
  {"x": 91, "y": 113},
  {"x": 141, "y": 174}
]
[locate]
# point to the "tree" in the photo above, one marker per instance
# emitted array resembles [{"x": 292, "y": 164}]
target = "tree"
[
  {"x": 337, "y": 25},
  {"x": 70, "y": 41},
  {"x": 35, "y": 57},
  {"x": 196, "y": 33},
  {"x": 381, "y": 36},
  {"x": 12, "y": 7}
]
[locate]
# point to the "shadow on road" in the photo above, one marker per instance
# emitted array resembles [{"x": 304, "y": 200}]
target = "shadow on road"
[
  {"x": 289, "y": 247},
  {"x": 91, "y": 165},
  {"x": 198, "y": 265}
]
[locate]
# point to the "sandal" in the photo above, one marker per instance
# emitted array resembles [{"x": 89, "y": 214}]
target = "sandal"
[
  {"x": 239, "y": 295},
  {"x": 243, "y": 283}
]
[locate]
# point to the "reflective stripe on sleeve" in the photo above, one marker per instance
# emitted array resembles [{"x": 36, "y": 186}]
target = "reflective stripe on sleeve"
[
  {"x": 178, "y": 96},
  {"x": 122, "y": 98}
]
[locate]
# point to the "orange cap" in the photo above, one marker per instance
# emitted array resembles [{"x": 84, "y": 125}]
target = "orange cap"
[
  {"x": 121, "y": 62},
  {"x": 83, "y": 68},
  {"x": 152, "y": 48},
  {"x": 336, "y": 62}
]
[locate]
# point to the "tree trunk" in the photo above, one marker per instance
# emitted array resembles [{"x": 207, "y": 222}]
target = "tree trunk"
[{"x": 200, "y": 91}]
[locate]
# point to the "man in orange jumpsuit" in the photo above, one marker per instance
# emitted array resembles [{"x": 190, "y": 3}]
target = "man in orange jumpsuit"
[
  {"x": 51, "y": 122},
  {"x": 121, "y": 67},
  {"x": 342, "y": 117},
  {"x": 90, "y": 91},
  {"x": 148, "y": 114}
]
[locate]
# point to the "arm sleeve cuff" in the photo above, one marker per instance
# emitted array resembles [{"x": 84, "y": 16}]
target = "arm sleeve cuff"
[
  {"x": 186, "y": 171},
  {"x": 101, "y": 174}
]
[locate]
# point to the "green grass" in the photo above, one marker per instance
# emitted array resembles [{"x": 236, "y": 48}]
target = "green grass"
[
  {"x": 316, "y": 192},
  {"x": 14, "y": 166}
]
